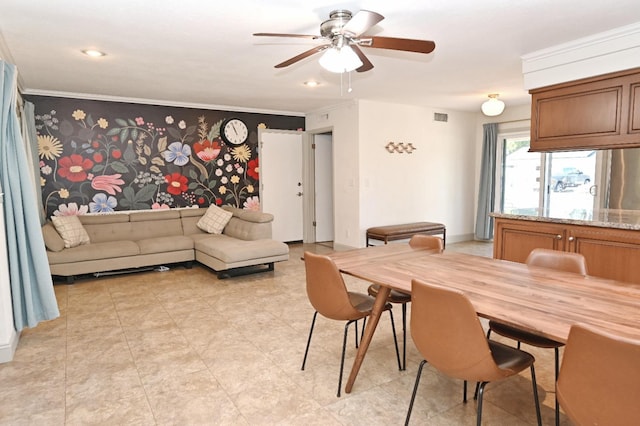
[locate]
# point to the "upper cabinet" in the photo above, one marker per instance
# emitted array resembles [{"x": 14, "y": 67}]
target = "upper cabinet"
[{"x": 595, "y": 113}]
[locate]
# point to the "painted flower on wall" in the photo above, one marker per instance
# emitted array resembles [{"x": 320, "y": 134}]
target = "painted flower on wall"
[
  {"x": 102, "y": 204},
  {"x": 70, "y": 209},
  {"x": 178, "y": 153},
  {"x": 252, "y": 203},
  {"x": 105, "y": 156},
  {"x": 49, "y": 147},
  {"x": 207, "y": 150},
  {"x": 74, "y": 167},
  {"x": 176, "y": 183},
  {"x": 108, "y": 183},
  {"x": 253, "y": 168},
  {"x": 241, "y": 153}
]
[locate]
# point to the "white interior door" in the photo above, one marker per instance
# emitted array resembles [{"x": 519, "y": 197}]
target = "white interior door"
[
  {"x": 281, "y": 182},
  {"x": 323, "y": 166}
]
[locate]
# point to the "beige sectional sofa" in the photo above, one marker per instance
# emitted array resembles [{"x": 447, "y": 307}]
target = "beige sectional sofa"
[{"x": 121, "y": 241}]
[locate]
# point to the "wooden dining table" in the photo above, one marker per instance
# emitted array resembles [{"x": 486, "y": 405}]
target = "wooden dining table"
[{"x": 540, "y": 300}]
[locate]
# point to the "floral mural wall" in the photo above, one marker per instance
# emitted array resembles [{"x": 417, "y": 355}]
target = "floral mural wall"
[{"x": 100, "y": 157}]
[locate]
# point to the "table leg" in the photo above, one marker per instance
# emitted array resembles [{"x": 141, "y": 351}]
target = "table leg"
[{"x": 372, "y": 323}]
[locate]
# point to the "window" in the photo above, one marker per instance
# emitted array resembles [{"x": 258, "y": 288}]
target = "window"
[{"x": 558, "y": 184}]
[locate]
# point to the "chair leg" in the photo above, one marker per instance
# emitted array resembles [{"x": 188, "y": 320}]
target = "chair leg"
[
  {"x": 535, "y": 395},
  {"x": 344, "y": 348},
  {"x": 395, "y": 339},
  {"x": 415, "y": 390},
  {"x": 404, "y": 336},
  {"x": 313, "y": 322},
  {"x": 464, "y": 392},
  {"x": 488, "y": 333},
  {"x": 556, "y": 395},
  {"x": 356, "y": 327},
  {"x": 480, "y": 395}
]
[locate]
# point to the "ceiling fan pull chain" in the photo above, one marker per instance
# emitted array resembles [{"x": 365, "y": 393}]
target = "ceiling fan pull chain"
[{"x": 349, "y": 89}]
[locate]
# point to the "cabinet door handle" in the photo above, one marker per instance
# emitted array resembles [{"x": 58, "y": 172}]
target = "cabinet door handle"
[
  {"x": 571, "y": 238},
  {"x": 558, "y": 237}
]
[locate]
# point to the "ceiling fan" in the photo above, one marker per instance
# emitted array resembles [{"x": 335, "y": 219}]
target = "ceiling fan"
[{"x": 343, "y": 35}]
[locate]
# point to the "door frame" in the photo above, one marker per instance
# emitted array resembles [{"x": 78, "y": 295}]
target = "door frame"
[{"x": 309, "y": 184}]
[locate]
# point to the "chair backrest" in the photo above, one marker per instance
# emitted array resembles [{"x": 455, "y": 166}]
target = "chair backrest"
[
  {"x": 599, "y": 380},
  {"x": 427, "y": 241},
  {"x": 559, "y": 260},
  {"x": 326, "y": 289},
  {"x": 448, "y": 333}
]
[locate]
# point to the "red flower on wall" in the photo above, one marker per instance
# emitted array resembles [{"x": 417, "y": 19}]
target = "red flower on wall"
[
  {"x": 207, "y": 150},
  {"x": 253, "y": 169},
  {"x": 74, "y": 167},
  {"x": 176, "y": 183}
]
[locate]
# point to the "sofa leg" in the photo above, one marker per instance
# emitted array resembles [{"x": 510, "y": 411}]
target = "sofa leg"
[
  {"x": 188, "y": 264},
  {"x": 70, "y": 279},
  {"x": 246, "y": 270}
]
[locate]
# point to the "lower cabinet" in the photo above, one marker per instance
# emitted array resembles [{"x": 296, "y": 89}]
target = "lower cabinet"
[{"x": 610, "y": 253}]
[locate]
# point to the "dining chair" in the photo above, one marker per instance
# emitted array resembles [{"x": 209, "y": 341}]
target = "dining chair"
[
  {"x": 329, "y": 297},
  {"x": 447, "y": 331},
  {"x": 402, "y": 298},
  {"x": 551, "y": 259},
  {"x": 599, "y": 379}
]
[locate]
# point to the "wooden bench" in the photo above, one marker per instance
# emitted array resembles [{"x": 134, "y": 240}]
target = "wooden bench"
[{"x": 407, "y": 230}]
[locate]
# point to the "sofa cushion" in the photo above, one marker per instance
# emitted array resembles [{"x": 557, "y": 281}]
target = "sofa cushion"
[
  {"x": 214, "y": 220},
  {"x": 230, "y": 250},
  {"x": 71, "y": 230},
  {"x": 52, "y": 240},
  {"x": 94, "y": 251},
  {"x": 165, "y": 244},
  {"x": 249, "y": 215}
]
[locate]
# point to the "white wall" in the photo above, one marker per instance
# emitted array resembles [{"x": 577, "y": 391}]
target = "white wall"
[
  {"x": 373, "y": 187},
  {"x": 342, "y": 121},
  {"x": 433, "y": 184}
]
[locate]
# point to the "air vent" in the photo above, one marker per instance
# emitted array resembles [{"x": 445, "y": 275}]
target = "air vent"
[{"x": 438, "y": 116}]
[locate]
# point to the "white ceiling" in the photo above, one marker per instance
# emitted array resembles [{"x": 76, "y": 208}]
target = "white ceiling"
[{"x": 195, "y": 52}]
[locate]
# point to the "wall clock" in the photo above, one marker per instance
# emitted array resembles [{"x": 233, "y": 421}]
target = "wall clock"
[{"x": 234, "y": 131}]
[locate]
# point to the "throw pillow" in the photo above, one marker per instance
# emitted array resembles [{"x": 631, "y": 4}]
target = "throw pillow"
[
  {"x": 71, "y": 230},
  {"x": 214, "y": 220}
]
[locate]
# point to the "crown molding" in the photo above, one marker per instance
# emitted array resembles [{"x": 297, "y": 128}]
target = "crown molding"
[
  {"x": 601, "y": 53},
  {"x": 108, "y": 98}
]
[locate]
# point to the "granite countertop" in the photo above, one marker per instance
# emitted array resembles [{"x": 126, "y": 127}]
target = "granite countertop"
[{"x": 605, "y": 218}]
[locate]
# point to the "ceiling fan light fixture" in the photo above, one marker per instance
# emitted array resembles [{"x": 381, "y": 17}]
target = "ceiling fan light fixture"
[
  {"x": 493, "y": 106},
  {"x": 340, "y": 60}
]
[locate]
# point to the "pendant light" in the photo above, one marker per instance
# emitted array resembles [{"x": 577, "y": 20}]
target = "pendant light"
[{"x": 493, "y": 106}]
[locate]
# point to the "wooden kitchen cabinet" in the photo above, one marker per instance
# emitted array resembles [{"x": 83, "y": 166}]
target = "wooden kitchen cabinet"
[
  {"x": 514, "y": 239},
  {"x": 599, "y": 112},
  {"x": 609, "y": 252}
]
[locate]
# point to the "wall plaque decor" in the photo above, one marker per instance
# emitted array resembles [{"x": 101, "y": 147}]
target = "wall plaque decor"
[{"x": 400, "y": 147}]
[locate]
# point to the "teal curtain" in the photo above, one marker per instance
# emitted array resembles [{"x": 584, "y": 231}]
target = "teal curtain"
[
  {"x": 487, "y": 190},
  {"x": 30, "y": 135},
  {"x": 31, "y": 285}
]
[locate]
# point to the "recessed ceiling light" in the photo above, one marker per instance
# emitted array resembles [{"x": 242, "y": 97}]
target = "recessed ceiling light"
[
  {"x": 93, "y": 53},
  {"x": 311, "y": 83}
]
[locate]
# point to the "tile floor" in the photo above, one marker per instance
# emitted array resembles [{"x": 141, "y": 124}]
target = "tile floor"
[{"x": 182, "y": 347}]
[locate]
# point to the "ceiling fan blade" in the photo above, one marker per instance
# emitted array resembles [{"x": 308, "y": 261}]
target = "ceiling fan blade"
[
  {"x": 361, "y": 22},
  {"x": 404, "y": 44},
  {"x": 303, "y": 55},
  {"x": 366, "y": 63},
  {"x": 285, "y": 35}
]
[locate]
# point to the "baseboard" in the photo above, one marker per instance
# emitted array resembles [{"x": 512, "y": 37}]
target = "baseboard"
[
  {"x": 7, "y": 350},
  {"x": 461, "y": 238}
]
